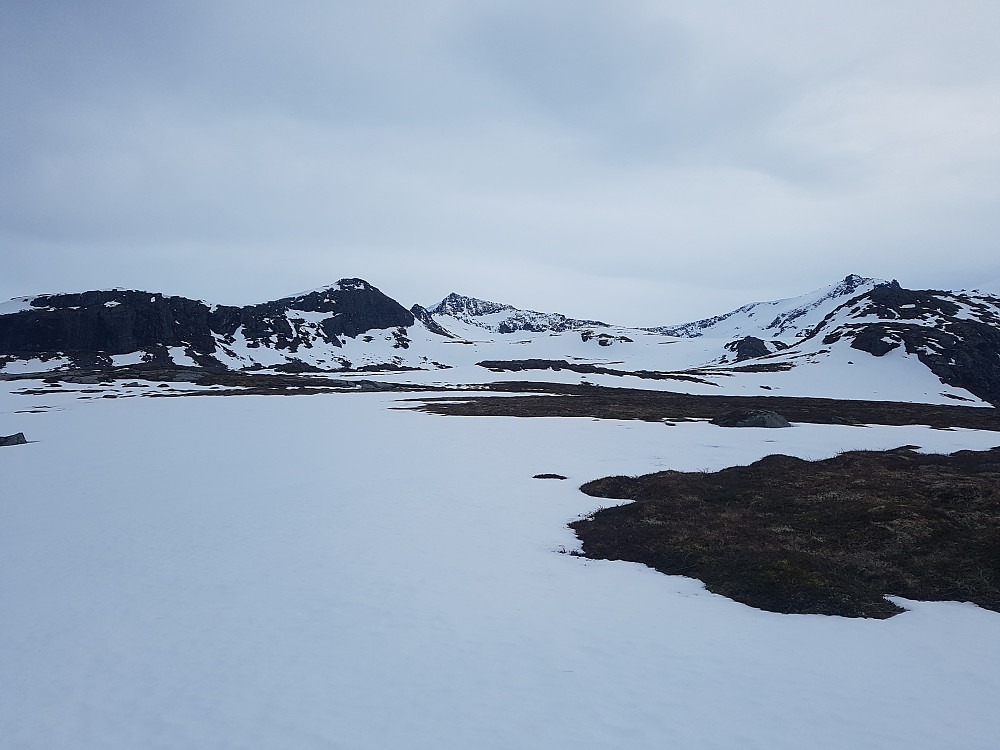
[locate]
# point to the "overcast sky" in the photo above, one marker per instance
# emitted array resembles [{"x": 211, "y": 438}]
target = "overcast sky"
[{"x": 639, "y": 161}]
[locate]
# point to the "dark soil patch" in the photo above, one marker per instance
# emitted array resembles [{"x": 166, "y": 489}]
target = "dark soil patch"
[
  {"x": 233, "y": 382},
  {"x": 520, "y": 365},
  {"x": 825, "y": 537},
  {"x": 751, "y": 418},
  {"x": 658, "y": 406}
]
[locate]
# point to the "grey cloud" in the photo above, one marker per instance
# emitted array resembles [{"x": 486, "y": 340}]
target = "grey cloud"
[{"x": 674, "y": 154}]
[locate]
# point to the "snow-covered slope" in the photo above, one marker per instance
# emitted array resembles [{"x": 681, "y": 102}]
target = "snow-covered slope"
[
  {"x": 500, "y": 318},
  {"x": 956, "y": 335},
  {"x": 780, "y": 319},
  {"x": 859, "y": 338},
  {"x": 117, "y": 327},
  {"x": 788, "y": 346}
]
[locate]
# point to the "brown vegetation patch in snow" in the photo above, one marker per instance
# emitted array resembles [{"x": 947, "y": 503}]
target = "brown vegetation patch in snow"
[
  {"x": 559, "y": 400},
  {"x": 827, "y": 537}
]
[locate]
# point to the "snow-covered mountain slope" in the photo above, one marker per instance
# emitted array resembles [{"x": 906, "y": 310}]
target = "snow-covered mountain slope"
[
  {"x": 859, "y": 338},
  {"x": 780, "y": 319},
  {"x": 956, "y": 335},
  {"x": 119, "y": 327},
  {"x": 499, "y": 318},
  {"x": 777, "y": 324},
  {"x": 951, "y": 337}
]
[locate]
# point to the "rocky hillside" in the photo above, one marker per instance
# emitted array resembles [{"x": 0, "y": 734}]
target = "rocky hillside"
[
  {"x": 858, "y": 338},
  {"x": 106, "y": 328},
  {"x": 955, "y": 334},
  {"x": 499, "y": 318}
]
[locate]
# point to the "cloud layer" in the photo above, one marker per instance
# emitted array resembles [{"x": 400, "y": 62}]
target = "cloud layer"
[{"x": 644, "y": 162}]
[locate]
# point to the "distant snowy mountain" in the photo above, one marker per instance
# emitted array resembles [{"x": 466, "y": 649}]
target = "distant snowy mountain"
[
  {"x": 858, "y": 338},
  {"x": 955, "y": 335},
  {"x": 780, "y": 319},
  {"x": 500, "y": 318}
]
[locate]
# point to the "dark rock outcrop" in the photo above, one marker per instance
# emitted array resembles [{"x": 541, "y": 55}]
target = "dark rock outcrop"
[
  {"x": 956, "y": 335},
  {"x": 603, "y": 339},
  {"x": 109, "y": 322},
  {"x": 17, "y": 439},
  {"x": 748, "y": 347},
  {"x": 751, "y": 418},
  {"x": 875, "y": 340},
  {"x": 421, "y": 314},
  {"x": 91, "y": 327}
]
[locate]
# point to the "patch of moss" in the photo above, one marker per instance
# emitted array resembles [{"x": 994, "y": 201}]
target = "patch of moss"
[{"x": 827, "y": 537}]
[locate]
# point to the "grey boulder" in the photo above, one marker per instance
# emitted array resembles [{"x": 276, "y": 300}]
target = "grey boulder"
[{"x": 751, "y": 418}]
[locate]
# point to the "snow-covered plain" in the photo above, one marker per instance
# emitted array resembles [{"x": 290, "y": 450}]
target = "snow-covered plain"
[{"x": 327, "y": 571}]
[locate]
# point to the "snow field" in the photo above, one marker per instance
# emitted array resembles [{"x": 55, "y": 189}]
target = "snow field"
[{"x": 328, "y": 572}]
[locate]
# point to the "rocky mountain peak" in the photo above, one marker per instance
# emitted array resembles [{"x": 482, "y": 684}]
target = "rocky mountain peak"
[
  {"x": 500, "y": 318},
  {"x": 460, "y": 306}
]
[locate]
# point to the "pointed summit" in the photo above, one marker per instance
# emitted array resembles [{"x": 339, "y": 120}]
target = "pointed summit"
[{"x": 500, "y": 318}]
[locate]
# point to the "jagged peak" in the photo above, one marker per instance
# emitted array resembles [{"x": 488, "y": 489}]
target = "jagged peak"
[
  {"x": 455, "y": 303},
  {"x": 509, "y": 319}
]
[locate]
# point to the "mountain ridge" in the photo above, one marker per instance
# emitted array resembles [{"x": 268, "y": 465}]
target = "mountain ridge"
[
  {"x": 351, "y": 325},
  {"x": 505, "y": 318}
]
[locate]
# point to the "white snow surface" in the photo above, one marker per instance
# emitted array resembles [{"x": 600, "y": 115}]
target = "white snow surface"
[
  {"x": 179, "y": 356},
  {"x": 16, "y": 305},
  {"x": 132, "y": 358},
  {"x": 327, "y": 571},
  {"x": 19, "y": 366}
]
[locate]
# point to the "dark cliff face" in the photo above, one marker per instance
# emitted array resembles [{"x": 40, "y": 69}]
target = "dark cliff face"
[
  {"x": 748, "y": 347},
  {"x": 112, "y": 322},
  {"x": 421, "y": 314},
  {"x": 91, "y": 326}
]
